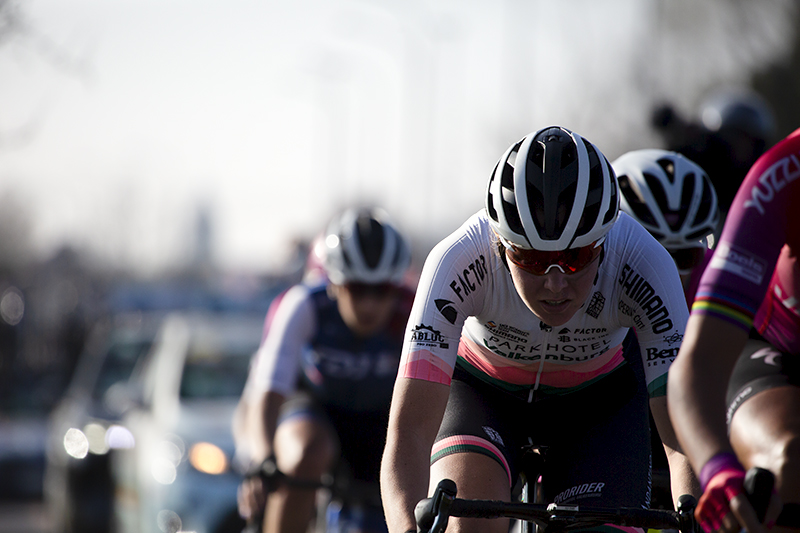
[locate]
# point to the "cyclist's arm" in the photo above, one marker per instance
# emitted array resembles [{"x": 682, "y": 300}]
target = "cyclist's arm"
[
  {"x": 697, "y": 386},
  {"x": 695, "y": 395},
  {"x": 416, "y": 413},
  {"x": 262, "y": 423},
  {"x": 682, "y": 478}
]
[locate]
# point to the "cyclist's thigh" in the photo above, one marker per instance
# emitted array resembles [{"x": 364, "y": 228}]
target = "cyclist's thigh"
[
  {"x": 760, "y": 367},
  {"x": 475, "y": 433},
  {"x": 362, "y": 435},
  {"x": 763, "y": 413},
  {"x": 605, "y": 463},
  {"x": 765, "y": 432},
  {"x": 304, "y": 435}
]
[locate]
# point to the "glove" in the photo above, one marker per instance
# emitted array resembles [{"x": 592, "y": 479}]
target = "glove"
[{"x": 722, "y": 479}]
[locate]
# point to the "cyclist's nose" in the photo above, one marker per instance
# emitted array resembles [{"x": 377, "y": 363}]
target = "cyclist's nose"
[{"x": 555, "y": 280}]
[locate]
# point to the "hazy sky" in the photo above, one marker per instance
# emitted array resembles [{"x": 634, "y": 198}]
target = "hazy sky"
[{"x": 273, "y": 115}]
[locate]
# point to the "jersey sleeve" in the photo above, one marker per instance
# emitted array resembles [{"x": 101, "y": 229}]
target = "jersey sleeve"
[
  {"x": 452, "y": 286},
  {"x": 652, "y": 302},
  {"x": 277, "y": 362}
]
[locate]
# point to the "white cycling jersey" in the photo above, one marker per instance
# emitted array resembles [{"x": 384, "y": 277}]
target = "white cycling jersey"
[{"x": 467, "y": 309}]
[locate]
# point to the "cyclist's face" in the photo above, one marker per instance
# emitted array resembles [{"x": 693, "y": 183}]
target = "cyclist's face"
[
  {"x": 365, "y": 310},
  {"x": 554, "y": 297}
]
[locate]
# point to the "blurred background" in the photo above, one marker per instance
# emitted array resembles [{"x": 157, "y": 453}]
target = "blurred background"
[{"x": 179, "y": 155}]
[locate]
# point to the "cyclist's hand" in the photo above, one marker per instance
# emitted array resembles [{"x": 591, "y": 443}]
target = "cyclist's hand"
[
  {"x": 251, "y": 498},
  {"x": 724, "y": 506},
  {"x": 714, "y": 508}
]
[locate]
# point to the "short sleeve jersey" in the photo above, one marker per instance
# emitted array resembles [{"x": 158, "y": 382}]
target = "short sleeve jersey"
[
  {"x": 467, "y": 310},
  {"x": 309, "y": 342},
  {"x": 753, "y": 278}
]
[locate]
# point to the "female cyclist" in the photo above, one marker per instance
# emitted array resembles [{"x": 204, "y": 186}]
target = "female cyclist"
[
  {"x": 742, "y": 338},
  {"x": 674, "y": 199},
  {"x": 321, "y": 382},
  {"x": 516, "y": 337}
]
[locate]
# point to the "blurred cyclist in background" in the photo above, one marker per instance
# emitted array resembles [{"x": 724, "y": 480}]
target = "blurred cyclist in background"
[
  {"x": 674, "y": 199},
  {"x": 734, "y": 389},
  {"x": 734, "y": 128},
  {"x": 321, "y": 382}
]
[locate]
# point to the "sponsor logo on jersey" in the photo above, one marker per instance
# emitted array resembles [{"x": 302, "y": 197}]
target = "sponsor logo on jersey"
[
  {"x": 508, "y": 332},
  {"x": 341, "y": 364},
  {"x": 672, "y": 339},
  {"x": 738, "y": 262},
  {"x": 470, "y": 278},
  {"x": 565, "y": 353},
  {"x": 629, "y": 310},
  {"x": 596, "y": 304},
  {"x": 590, "y": 331},
  {"x": 423, "y": 335},
  {"x": 493, "y": 435},
  {"x": 642, "y": 293},
  {"x": 656, "y": 357},
  {"x": 775, "y": 178},
  {"x": 446, "y": 308}
]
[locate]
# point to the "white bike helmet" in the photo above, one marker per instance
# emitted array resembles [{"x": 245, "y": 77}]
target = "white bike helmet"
[
  {"x": 361, "y": 246},
  {"x": 552, "y": 190},
  {"x": 668, "y": 194}
]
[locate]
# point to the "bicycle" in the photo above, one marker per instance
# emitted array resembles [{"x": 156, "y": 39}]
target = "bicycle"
[
  {"x": 346, "y": 505},
  {"x": 432, "y": 514}
]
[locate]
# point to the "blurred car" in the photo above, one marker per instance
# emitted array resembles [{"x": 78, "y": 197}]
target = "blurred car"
[
  {"x": 178, "y": 475},
  {"x": 82, "y": 426}
]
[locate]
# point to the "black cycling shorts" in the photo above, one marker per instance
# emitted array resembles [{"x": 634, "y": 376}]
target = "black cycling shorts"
[
  {"x": 362, "y": 435},
  {"x": 760, "y": 367},
  {"x": 597, "y": 439}
]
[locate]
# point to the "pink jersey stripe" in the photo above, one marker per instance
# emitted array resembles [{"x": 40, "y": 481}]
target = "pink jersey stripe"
[
  {"x": 471, "y": 440},
  {"x": 422, "y": 364}
]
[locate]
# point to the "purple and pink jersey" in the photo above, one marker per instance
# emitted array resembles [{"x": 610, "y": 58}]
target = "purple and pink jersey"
[{"x": 753, "y": 279}]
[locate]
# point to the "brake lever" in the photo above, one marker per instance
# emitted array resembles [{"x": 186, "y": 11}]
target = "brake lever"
[
  {"x": 758, "y": 485},
  {"x": 432, "y": 514}
]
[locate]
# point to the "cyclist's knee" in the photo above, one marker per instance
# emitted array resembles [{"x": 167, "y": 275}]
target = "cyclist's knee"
[
  {"x": 307, "y": 454},
  {"x": 786, "y": 466},
  {"x": 476, "y": 475}
]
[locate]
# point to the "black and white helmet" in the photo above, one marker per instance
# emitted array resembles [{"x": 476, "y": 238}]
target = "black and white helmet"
[
  {"x": 670, "y": 195},
  {"x": 552, "y": 190},
  {"x": 361, "y": 246}
]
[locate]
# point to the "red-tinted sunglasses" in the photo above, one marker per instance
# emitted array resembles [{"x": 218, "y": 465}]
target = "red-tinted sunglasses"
[
  {"x": 568, "y": 261},
  {"x": 687, "y": 258}
]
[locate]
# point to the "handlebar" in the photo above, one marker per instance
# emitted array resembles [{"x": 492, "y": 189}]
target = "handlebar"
[{"x": 432, "y": 514}]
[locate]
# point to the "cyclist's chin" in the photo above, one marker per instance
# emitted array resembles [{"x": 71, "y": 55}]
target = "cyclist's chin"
[{"x": 553, "y": 315}]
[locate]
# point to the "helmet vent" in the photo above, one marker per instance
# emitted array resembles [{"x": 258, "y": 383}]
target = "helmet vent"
[
  {"x": 595, "y": 195},
  {"x": 507, "y": 190},
  {"x": 669, "y": 169},
  {"x": 370, "y": 240},
  {"x": 637, "y": 205},
  {"x": 704, "y": 209}
]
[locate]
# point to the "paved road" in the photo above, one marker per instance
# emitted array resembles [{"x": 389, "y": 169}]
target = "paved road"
[{"x": 23, "y": 517}]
